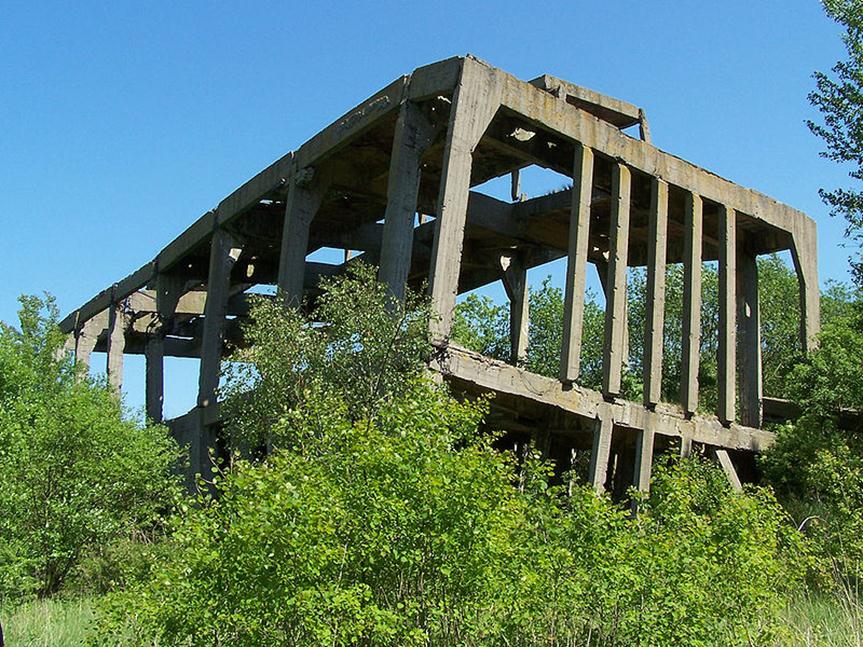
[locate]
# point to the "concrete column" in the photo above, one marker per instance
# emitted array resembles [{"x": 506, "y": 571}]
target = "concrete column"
[
  {"x": 169, "y": 289},
  {"x": 685, "y": 446},
  {"x": 116, "y": 346},
  {"x": 749, "y": 339},
  {"x": 85, "y": 342},
  {"x": 224, "y": 252},
  {"x": 302, "y": 203},
  {"x": 643, "y": 458},
  {"x": 413, "y": 135},
  {"x": 602, "y": 273},
  {"x": 615, "y": 307},
  {"x": 514, "y": 276},
  {"x": 691, "y": 339},
  {"x": 598, "y": 470},
  {"x": 727, "y": 360},
  {"x": 576, "y": 264},
  {"x": 654, "y": 324},
  {"x": 804, "y": 251},
  {"x": 515, "y": 185},
  {"x": 475, "y": 101},
  {"x": 721, "y": 455},
  {"x": 154, "y": 353}
]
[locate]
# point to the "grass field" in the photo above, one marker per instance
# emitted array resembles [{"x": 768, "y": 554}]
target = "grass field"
[{"x": 814, "y": 621}]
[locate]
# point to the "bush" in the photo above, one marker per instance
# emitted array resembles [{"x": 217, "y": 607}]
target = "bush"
[
  {"x": 73, "y": 472},
  {"x": 393, "y": 521}
]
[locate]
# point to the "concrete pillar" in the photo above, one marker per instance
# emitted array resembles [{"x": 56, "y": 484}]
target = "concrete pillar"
[
  {"x": 654, "y": 323},
  {"x": 514, "y": 277},
  {"x": 154, "y": 353},
  {"x": 685, "y": 446},
  {"x": 691, "y": 339},
  {"x": 224, "y": 251},
  {"x": 643, "y": 458},
  {"x": 727, "y": 359},
  {"x": 116, "y": 346},
  {"x": 413, "y": 135},
  {"x": 749, "y": 338},
  {"x": 576, "y": 264},
  {"x": 302, "y": 203},
  {"x": 804, "y": 251},
  {"x": 615, "y": 307},
  {"x": 602, "y": 274},
  {"x": 515, "y": 185},
  {"x": 85, "y": 342},
  {"x": 598, "y": 470},
  {"x": 721, "y": 455},
  {"x": 475, "y": 101}
]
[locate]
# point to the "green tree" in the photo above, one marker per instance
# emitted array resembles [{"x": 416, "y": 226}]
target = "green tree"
[
  {"x": 74, "y": 473},
  {"x": 357, "y": 351},
  {"x": 839, "y": 99}
]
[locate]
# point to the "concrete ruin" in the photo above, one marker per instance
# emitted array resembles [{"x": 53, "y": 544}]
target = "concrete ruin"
[{"x": 390, "y": 183}]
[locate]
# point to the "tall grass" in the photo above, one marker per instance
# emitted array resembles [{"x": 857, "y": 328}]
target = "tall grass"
[
  {"x": 47, "y": 623},
  {"x": 812, "y": 621},
  {"x": 826, "y": 620}
]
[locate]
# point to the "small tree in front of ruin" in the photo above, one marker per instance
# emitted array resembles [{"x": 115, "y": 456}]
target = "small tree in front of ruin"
[{"x": 74, "y": 472}]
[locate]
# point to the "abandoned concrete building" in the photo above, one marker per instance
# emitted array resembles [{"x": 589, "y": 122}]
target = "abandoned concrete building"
[{"x": 391, "y": 182}]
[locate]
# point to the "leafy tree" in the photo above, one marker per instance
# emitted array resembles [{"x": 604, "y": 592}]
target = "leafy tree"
[
  {"x": 839, "y": 99},
  {"x": 74, "y": 473},
  {"x": 359, "y": 337},
  {"x": 816, "y": 464}
]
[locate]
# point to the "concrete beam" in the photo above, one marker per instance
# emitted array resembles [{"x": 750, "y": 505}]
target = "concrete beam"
[{"x": 469, "y": 370}]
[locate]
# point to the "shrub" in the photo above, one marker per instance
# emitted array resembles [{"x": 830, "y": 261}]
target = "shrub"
[
  {"x": 393, "y": 521},
  {"x": 73, "y": 472}
]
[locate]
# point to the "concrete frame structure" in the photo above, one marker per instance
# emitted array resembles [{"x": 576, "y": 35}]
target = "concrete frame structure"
[{"x": 390, "y": 183}]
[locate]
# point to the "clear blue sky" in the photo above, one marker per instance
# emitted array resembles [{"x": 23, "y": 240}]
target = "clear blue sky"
[{"x": 123, "y": 122}]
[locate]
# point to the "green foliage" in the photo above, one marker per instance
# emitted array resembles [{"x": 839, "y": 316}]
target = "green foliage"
[
  {"x": 815, "y": 466},
  {"x": 400, "y": 524},
  {"x": 360, "y": 337},
  {"x": 73, "y": 472},
  {"x": 839, "y": 99}
]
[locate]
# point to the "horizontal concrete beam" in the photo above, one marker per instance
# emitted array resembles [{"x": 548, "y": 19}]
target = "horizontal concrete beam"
[{"x": 482, "y": 374}]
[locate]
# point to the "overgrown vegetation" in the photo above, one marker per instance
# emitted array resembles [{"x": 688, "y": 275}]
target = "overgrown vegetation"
[
  {"x": 383, "y": 515},
  {"x": 74, "y": 473}
]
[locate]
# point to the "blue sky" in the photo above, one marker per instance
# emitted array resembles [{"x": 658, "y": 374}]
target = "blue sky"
[{"x": 123, "y": 122}]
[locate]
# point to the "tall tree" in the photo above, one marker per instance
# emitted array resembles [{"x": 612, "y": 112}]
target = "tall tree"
[{"x": 839, "y": 98}]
